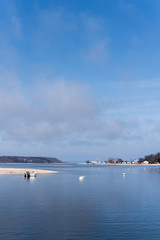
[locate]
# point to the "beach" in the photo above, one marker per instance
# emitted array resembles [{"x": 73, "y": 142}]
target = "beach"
[{"x": 23, "y": 170}]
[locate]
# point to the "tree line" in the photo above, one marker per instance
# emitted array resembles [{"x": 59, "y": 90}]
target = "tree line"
[{"x": 151, "y": 159}]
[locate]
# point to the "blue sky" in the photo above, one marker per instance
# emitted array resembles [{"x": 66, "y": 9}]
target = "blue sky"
[{"x": 79, "y": 79}]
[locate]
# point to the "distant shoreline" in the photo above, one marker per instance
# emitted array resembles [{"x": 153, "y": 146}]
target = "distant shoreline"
[
  {"x": 121, "y": 164},
  {"x": 28, "y": 163},
  {"x": 26, "y": 159}
]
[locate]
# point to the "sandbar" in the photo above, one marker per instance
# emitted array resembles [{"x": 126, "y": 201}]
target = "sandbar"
[{"x": 23, "y": 170}]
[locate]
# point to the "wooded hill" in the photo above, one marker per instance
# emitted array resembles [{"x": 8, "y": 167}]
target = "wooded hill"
[{"x": 17, "y": 159}]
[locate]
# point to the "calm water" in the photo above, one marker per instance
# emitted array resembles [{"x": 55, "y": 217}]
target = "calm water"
[{"x": 106, "y": 205}]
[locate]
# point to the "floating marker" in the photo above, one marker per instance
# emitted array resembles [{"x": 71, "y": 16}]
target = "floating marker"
[{"x": 81, "y": 178}]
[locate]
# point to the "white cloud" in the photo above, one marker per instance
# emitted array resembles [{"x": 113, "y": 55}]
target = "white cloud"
[
  {"x": 97, "y": 52},
  {"x": 91, "y": 24},
  {"x": 12, "y": 26},
  {"x": 82, "y": 32},
  {"x": 50, "y": 117},
  {"x": 129, "y": 8},
  {"x": 52, "y": 111}
]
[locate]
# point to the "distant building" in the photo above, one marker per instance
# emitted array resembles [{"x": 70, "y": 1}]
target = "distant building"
[
  {"x": 135, "y": 162},
  {"x": 97, "y": 162},
  {"x": 145, "y": 162}
]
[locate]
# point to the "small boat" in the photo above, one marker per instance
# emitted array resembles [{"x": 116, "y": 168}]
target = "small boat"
[
  {"x": 28, "y": 174},
  {"x": 81, "y": 178},
  {"x": 33, "y": 174}
]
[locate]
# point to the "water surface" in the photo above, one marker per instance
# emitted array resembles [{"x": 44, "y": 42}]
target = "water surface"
[{"x": 106, "y": 205}]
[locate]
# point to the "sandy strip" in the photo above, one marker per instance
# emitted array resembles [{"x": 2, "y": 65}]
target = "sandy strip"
[{"x": 23, "y": 170}]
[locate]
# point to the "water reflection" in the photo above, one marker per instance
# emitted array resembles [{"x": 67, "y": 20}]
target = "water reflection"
[
  {"x": 106, "y": 205},
  {"x": 30, "y": 180}
]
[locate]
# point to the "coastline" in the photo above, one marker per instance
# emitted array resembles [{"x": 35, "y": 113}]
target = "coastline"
[
  {"x": 121, "y": 164},
  {"x": 23, "y": 170}
]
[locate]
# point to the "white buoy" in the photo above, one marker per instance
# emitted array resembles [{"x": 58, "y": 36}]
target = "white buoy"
[
  {"x": 81, "y": 178},
  {"x": 124, "y": 174}
]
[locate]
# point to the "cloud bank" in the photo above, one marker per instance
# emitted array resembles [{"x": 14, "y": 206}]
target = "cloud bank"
[
  {"x": 54, "y": 110},
  {"x": 65, "y": 114}
]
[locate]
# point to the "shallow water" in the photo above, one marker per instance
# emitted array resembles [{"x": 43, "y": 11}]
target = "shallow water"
[{"x": 106, "y": 205}]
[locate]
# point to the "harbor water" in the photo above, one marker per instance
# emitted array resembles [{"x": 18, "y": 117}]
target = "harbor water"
[{"x": 112, "y": 202}]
